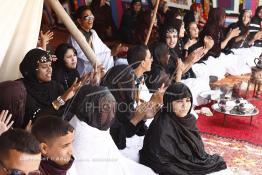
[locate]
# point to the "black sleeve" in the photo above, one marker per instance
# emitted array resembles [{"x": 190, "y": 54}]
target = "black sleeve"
[
  {"x": 33, "y": 110},
  {"x": 123, "y": 128}
]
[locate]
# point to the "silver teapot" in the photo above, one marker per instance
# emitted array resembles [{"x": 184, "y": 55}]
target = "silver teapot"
[{"x": 258, "y": 62}]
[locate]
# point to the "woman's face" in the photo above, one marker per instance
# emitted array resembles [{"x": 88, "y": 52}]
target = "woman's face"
[
  {"x": 137, "y": 6},
  {"x": 193, "y": 31},
  {"x": 70, "y": 59},
  {"x": 246, "y": 18},
  {"x": 87, "y": 19},
  {"x": 171, "y": 39},
  {"x": 44, "y": 72},
  {"x": 181, "y": 107}
]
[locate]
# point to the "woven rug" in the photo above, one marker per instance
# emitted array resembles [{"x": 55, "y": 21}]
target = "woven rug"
[{"x": 241, "y": 157}]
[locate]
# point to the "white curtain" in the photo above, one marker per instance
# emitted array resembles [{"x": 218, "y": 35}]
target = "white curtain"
[{"x": 19, "y": 29}]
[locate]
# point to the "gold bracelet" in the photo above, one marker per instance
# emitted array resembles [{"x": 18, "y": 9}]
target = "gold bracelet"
[{"x": 56, "y": 107}]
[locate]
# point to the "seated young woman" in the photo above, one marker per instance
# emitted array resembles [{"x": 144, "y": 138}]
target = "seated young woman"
[
  {"x": 130, "y": 119},
  {"x": 65, "y": 67},
  {"x": 178, "y": 24},
  {"x": 243, "y": 22},
  {"x": 129, "y": 20},
  {"x": 161, "y": 71},
  {"x": 226, "y": 63},
  {"x": 94, "y": 109},
  {"x": 43, "y": 94},
  {"x": 173, "y": 144},
  {"x": 182, "y": 69},
  {"x": 170, "y": 36},
  {"x": 215, "y": 29},
  {"x": 182, "y": 45},
  {"x": 192, "y": 41}
]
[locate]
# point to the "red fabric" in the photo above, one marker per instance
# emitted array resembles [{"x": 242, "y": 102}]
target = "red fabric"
[{"x": 235, "y": 127}]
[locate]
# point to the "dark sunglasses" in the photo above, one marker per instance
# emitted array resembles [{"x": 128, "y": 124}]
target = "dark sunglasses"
[{"x": 18, "y": 172}]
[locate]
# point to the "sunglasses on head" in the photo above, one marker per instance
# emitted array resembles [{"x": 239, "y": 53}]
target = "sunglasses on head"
[
  {"x": 18, "y": 172},
  {"x": 89, "y": 18}
]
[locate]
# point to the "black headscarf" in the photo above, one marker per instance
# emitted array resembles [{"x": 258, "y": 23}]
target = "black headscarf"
[
  {"x": 61, "y": 73},
  {"x": 39, "y": 94},
  {"x": 135, "y": 1},
  {"x": 88, "y": 106},
  {"x": 128, "y": 23},
  {"x": 173, "y": 144},
  {"x": 13, "y": 98},
  {"x": 159, "y": 72}
]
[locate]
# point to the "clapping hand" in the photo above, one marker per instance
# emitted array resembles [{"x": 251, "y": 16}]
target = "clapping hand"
[
  {"x": 156, "y": 102},
  {"x": 147, "y": 110},
  {"x": 197, "y": 54},
  {"x": 5, "y": 122},
  {"x": 157, "y": 97},
  {"x": 70, "y": 92},
  {"x": 118, "y": 49},
  {"x": 97, "y": 74},
  {"x": 233, "y": 32}
]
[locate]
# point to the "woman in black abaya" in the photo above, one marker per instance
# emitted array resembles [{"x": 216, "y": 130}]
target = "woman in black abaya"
[
  {"x": 44, "y": 96},
  {"x": 173, "y": 144},
  {"x": 65, "y": 68}
]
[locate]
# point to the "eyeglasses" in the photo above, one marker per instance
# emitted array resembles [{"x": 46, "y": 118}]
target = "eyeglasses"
[
  {"x": 89, "y": 18},
  {"x": 18, "y": 172}
]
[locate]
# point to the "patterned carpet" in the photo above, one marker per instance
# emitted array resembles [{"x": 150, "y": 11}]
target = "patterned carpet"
[{"x": 242, "y": 158}]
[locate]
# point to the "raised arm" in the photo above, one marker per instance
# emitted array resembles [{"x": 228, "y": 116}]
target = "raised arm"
[{"x": 231, "y": 34}]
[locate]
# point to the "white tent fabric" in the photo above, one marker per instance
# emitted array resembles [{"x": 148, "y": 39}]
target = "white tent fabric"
[{"x": 19, "y": 29}]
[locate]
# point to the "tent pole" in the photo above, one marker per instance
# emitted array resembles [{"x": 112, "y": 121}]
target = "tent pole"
[
  {"x": 72, "y": 28},
  {"x": 152, "y": 22}
]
